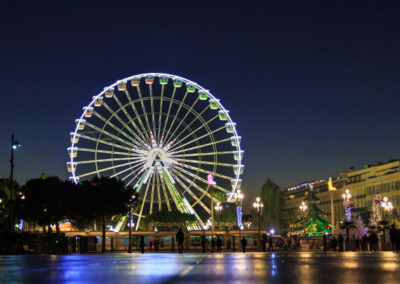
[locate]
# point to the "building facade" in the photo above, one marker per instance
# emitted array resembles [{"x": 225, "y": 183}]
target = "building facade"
[{"x": 365, "y": 185}]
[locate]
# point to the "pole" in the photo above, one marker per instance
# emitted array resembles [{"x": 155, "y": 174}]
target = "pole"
[
  {"x": 332, "y": 214},
  {"x": 130, "y": 230},
  {"x": 12, "y": 185},
  {"x": 212, "y": 210},
  {"x": 259, "y": 230}
]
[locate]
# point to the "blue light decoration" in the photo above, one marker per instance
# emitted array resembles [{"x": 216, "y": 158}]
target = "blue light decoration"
[
  {"x": 239, "y": 216},
  {"x": 20, "y": 224},
  {"x": 347, "y": 211}
]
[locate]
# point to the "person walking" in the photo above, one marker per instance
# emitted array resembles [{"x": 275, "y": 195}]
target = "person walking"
[
  {"x": 334, "y": 243},
  {"x": 341, "y": 242},
  {"x": 203, "y": 244},
  {"x": 180, "y": 237},
  {"x": 374, "y": 241},
  {"x": 324, "y": 239},
  {"x": 264, "y": 242},
  {"x": 141, "y": 244},
  {"x": 219, "y": 244},
  {"x": 271, "y": 244},
  {"x": 243, "y": 241},
  {"x": 213, "y": 244},
  {"x": 393, "y": 237}
]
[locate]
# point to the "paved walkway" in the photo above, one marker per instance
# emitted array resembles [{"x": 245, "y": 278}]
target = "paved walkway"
[{"x": 302, "y": 267}]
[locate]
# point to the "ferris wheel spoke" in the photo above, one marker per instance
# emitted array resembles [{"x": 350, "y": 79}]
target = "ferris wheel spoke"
[
  {"x": 197, "y": 169},
  {"x": 153, "y": 118},
  {"x": 137, "y": 166},
  {"x": 201, "y": 146},
  {"x": 132, "y": 104},
  {"x": 198, "y": 116},
  {"x": 166, "y": 196},
  {"x": 158, "y": 137},
  {"x": 119, "y": 130},
  {"x": 141, "y": 208},
  {"x": 203, "y": 192},
  {"x": 202, "y": 154},
  {"x": 175, "y": 175},
  {"x": 158, "y": 182},
  {"x": 201, "y": 179},
  {"x": 115, "y": 114},
  {"x": 104, "y": 142},
  {"x": 128, "y": 116},
  {"x": 103, "y": 170},
  {"x": 152, "y": 193},
  {"x": 137, "y": 176},
  {"x": 198, "y": 138},
  {"x": 168, "y": 112},
  {"x": 182, "y": 120},
  {"x": 131, "y": 154},
  {"x": 204, "y": 162},
  {"x": 175, "y": 116},
  {"x": 106, "y": 160},
  {"x": 105, "y": 132},
  {"x": 144, "y": 109}
]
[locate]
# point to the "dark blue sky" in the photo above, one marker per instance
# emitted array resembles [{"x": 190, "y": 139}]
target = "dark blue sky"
[{"x": 313, "y": 87}]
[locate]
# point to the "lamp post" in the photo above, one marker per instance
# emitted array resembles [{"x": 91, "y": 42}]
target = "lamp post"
[
  {"x": 130, "y": 224},
  {"x": 347, "y": 204},
  {"x": 258, "y": 205},
  {"x": 303, "y": 207},
  {"x": 332, "y": 190},
  {"x": 239, "y": 201},
  {"x": 218, "y": 208},
  {"x": 387, "y": 206},
  {"x": 211, "y": 183},
  {"x": 14, "y": 146}
]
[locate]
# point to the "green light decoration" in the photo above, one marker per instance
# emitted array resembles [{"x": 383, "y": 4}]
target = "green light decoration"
[{"x": 313, "y": 224}]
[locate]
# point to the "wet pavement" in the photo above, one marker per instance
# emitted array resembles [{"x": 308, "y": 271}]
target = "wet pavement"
[{"x": 302, "y": 267}]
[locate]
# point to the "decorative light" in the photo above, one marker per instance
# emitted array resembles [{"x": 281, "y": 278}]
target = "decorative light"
[
  {"x": 387, "y": 205},
  {"x": 218, "y": 208},
  {"x": 303, "y": 206},
  {"x": 258, "y": 205},
  {"x": 346, "y": 196}
]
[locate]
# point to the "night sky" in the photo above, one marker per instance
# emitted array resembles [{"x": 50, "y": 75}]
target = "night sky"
[{"x": 314, "y": 88}]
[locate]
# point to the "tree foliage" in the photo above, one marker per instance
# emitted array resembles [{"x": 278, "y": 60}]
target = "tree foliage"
[
  {"x": 272, "y": 199},
  {"x": 174, "y": 216}
]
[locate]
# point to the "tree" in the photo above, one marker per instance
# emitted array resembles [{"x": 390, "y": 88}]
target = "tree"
[
  {"x": 109, "y": 197},
  {"x": 168, "y": 217},
  {"x": 313, "y": 224},
  {"x": 44, "y": 202},
  {"x": 272, "y": 199}
]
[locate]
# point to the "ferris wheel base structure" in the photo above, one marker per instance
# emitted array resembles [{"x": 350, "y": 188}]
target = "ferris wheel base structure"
[{"x": 161, "y": 134}]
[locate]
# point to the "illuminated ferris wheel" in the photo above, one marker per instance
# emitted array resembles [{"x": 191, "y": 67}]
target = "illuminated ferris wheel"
[{"x": 161, "y": 134}]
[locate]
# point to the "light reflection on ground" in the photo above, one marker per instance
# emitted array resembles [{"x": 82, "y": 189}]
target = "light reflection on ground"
[{"x": 305, "y": 267}]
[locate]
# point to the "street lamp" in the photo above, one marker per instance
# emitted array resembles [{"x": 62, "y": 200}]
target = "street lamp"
[
  {"x": 258, "y": 205},
  {"x": 331, "y": 190},
  {"x": 303, "y": 206},
  {"x": 132, "y": 203},
  {"x": 347, "y": 204},
  {"x": 218, "y": 209},
  {"x": 387, "y": 205},
  {"x": 14, "y": 146}
]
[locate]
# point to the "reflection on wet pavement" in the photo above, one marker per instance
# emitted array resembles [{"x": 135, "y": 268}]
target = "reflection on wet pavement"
[{"x": 303, "y": 267}]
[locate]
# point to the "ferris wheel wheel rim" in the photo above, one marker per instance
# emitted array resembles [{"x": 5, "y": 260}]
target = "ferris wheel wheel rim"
[{"x": 173, "y": 77}]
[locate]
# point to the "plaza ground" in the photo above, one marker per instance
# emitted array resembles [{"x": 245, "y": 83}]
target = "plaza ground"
[{"x": 301, "y": 267}]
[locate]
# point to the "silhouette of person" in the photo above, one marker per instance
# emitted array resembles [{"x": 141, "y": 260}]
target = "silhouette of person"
[
  {"x": 243, "y": 241},
  {"x": 180, "y": 237}
]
